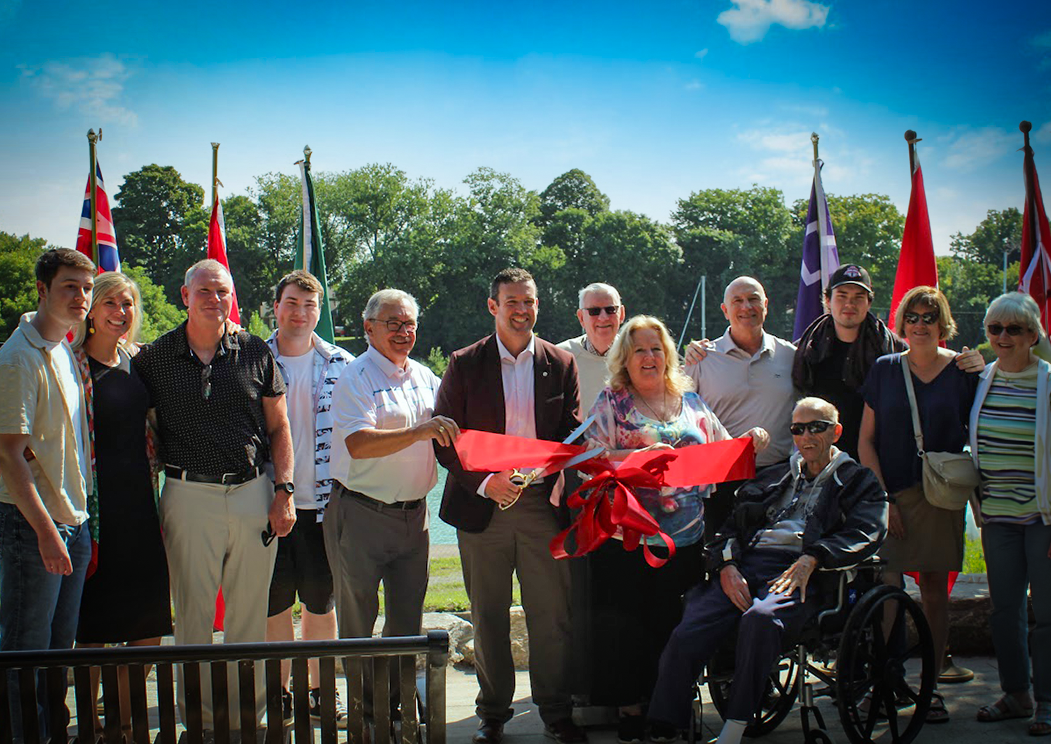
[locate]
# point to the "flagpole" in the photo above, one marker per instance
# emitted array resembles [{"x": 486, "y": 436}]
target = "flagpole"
[
  {"x": 912, "y": 139},
  {"x": 93, "y": 180},
  {"x": 814, "y": 138},
  {"x": 215, "y": 169},
  {"x": 1025, "y": 127}
]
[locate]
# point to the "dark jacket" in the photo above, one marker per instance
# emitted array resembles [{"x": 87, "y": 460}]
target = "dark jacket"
[
  {"x": 816, "y": 343},
  {"x": 472, "y": 394},
  {"x": 848, "y": 524}
]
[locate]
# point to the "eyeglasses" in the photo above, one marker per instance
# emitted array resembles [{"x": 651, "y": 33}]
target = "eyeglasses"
[
  {"x": 594, "y": 312},
  {"x": 928, "y": 318},
  {"x": 814, "y": 427},
  {"x": 206, "y": 381},
  {"x": 395, "y": 326},
  {"x": 268, "y": 535},
  {"x": 995, "y": 329}
]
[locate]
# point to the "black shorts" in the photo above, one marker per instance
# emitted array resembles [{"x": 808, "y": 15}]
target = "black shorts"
[{"x": 302, "y": 567}]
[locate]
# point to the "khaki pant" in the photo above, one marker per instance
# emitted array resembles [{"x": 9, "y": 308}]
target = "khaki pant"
[
  {"x": 516, "y": 542},
  {"x": 212, "y": 534}
]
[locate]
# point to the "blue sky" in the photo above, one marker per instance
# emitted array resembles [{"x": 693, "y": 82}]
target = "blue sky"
[{"x": 653, "y": 99}]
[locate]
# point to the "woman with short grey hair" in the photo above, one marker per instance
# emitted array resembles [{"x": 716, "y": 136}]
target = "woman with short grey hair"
[{"x": 1011, "y": 446}]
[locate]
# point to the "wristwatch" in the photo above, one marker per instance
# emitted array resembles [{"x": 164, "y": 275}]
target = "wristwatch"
[{"x": 289, "y": 487}]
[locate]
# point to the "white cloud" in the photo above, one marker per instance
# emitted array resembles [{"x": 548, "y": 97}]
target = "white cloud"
[
  {"x": 777, "y": 141},
  {"x": 749, "y": 20},
  {"x": 694, "y": 85},
  {"x": 701, "y": 54},
  {"x": 1043, "y": 134},
  {"x": 93, "y": 86},
  {"x": 970, "y": 149}
]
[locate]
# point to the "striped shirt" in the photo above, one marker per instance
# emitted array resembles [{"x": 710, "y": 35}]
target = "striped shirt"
[{"x": 1006, "y": 432}]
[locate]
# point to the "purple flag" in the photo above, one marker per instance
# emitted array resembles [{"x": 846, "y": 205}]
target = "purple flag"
[{"x": 820, "y": 257}]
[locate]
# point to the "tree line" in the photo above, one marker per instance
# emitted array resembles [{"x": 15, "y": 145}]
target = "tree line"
[{"x": 383, "y": 228}]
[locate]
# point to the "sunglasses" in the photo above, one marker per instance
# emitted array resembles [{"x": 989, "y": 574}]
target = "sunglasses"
[
  {"x": 206, "y": 382},
  {"x": 995, "y": 329},
  {"x": 594, "y": 312},
  {"x": 928, "y": 318},
  {"x": 814, "y": 427},
  {"x": 268, "y": 535}
]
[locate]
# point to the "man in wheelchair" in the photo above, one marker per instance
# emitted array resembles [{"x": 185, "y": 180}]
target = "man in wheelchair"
[{"x": 821, "y": 509}]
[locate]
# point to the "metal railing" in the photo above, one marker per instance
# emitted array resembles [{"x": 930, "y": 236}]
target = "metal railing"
[{"x": 390, "y": 660}]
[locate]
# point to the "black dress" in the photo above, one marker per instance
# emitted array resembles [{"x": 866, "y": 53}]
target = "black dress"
[{"x": 127, "y": 598}]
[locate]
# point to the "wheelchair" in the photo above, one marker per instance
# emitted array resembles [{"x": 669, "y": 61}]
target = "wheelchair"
[{"x": 881, "y": 680}]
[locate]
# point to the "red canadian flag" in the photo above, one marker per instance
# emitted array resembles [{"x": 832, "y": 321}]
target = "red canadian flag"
[
  {"x": 217, "y": 246},
  {"x": 916, "y": 266},
  {"x": 1034, "y": 275}
]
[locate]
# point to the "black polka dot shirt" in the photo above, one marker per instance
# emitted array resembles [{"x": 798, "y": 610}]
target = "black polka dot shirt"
[{"x": 211, "y": 417}]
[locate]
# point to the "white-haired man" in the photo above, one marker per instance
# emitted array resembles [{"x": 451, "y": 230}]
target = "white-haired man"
[
  {"x": 600, "y": 314},
  {"x": 376, "y": 526}
]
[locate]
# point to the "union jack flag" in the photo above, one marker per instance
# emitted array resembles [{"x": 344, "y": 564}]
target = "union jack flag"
[{"x": 108, "y": 258}]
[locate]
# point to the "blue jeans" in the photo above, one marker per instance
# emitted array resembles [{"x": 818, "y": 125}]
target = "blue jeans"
[
  {"x": 38, "y": 610},
  {"x": 1016, "y": 559}
]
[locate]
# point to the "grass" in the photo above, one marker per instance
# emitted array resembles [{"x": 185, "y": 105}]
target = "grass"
[
  {"x": 445, "y": 590},
  {"x": 973, "y": 556}
]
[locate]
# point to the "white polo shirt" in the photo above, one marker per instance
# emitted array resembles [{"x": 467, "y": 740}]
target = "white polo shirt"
[
  {"x": 374, "y": 393},
  {"x": 746, "y": 390}
]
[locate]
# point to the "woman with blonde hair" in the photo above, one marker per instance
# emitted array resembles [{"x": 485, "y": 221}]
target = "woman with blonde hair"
[
  {"x": 648, "y": 405},
  {"x": 923, "y": 538},
  {"x": 126, "y": 599},
  {"x": 1011, "y": 446}
]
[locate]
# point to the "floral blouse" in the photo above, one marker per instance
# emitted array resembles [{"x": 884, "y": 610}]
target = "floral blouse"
[{"x": 619, "y": 424}]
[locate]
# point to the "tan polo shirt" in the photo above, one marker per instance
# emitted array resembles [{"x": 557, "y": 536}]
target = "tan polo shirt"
[
  {"x": 33, "y": 403},
  {"x": 747, "y": 390}
]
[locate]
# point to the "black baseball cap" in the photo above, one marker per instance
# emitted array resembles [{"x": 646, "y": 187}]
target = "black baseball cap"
[{"x": 850, "y": 274}]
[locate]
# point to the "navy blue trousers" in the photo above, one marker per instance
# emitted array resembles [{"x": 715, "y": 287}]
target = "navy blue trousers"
[{"x": 709, "y": 617}]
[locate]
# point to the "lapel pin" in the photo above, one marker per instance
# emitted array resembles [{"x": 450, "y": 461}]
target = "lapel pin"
[{"x": 544, "y": 374}]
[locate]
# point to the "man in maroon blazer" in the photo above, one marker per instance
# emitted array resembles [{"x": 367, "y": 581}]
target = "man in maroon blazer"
[{"x": 512, "y": 383}]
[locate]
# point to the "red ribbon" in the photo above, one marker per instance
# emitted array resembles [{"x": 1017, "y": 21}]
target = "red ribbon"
[{"x": 610, "y": 503}]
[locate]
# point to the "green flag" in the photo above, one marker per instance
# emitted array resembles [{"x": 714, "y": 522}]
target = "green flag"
[{"x": 309, "y": 253}]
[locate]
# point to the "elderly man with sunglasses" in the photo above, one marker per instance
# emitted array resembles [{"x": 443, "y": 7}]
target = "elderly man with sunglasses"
[
  {"x": 600, "y": 315},
  {"x": 821, "y": 509},
  {"x": 221, "y": 414}
]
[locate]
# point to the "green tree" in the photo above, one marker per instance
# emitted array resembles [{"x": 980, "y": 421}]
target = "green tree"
[
  {"x": 18, "y": 295},
  {"x": 155, "y": 208},
  {"x": 1000, "y": 231},
  {"x": 868, "y": 233},
  {"x": 158, "y": 315},
  {"x": 724, "y": 233},
  {"x": 574, "y": 189}
]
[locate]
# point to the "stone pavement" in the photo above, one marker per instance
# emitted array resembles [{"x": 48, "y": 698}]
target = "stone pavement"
[{"x": 962, "y": 700}]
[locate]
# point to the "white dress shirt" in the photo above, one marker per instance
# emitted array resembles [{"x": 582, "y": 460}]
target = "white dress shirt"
[{"x": 517, "y": 376}]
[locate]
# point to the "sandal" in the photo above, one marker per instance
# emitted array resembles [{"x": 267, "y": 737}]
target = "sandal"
[
  {"x": 1041, "y": 725},
  {"x": 937, "y": 712},
  {"x": 1006, "y": 707}
]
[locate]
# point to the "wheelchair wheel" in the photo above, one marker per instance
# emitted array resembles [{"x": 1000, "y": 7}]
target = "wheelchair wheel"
[
  {"x": 884, "y": 684},
  {"x": 781, "y": 689}
]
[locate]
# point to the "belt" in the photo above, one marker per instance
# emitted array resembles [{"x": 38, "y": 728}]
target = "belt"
[
  {"x": 226, "y": 479},
  {"x": 380, "y": 505}
]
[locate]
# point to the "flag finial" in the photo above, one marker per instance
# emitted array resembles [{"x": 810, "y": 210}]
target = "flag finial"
[
  {"x": 92, "y": 137},
  {"x": 910, "y": 136},
  {"x": 814, "y": 138},
  {"x": 306, "y": 153}
]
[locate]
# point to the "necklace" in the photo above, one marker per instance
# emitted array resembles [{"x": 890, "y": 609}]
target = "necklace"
[{"x": 664, "y": 405}]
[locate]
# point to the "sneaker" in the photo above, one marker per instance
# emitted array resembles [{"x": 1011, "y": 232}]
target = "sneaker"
[
  {"x": 631, "y": 729},
  {"x": 663, "y": 733},
  {"x": 315, "y": 708},
  {"x": 286, "y": 706}
]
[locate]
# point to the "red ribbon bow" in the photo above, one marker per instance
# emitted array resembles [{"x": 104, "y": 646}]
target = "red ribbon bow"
[{"x": 611, "y": 503}]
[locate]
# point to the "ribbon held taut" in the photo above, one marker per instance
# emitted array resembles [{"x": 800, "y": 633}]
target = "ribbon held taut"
[{"x": 610, "y": 503}]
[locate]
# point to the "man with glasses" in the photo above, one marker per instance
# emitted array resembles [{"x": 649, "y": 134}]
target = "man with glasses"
[
  {"x": 821, "y": 509},
  {"x": 310, "y": 367},
  {"x": 600, "y": 315},
  {"x": 221, "y": 414},
  {"x": 376, "y": 527}
]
